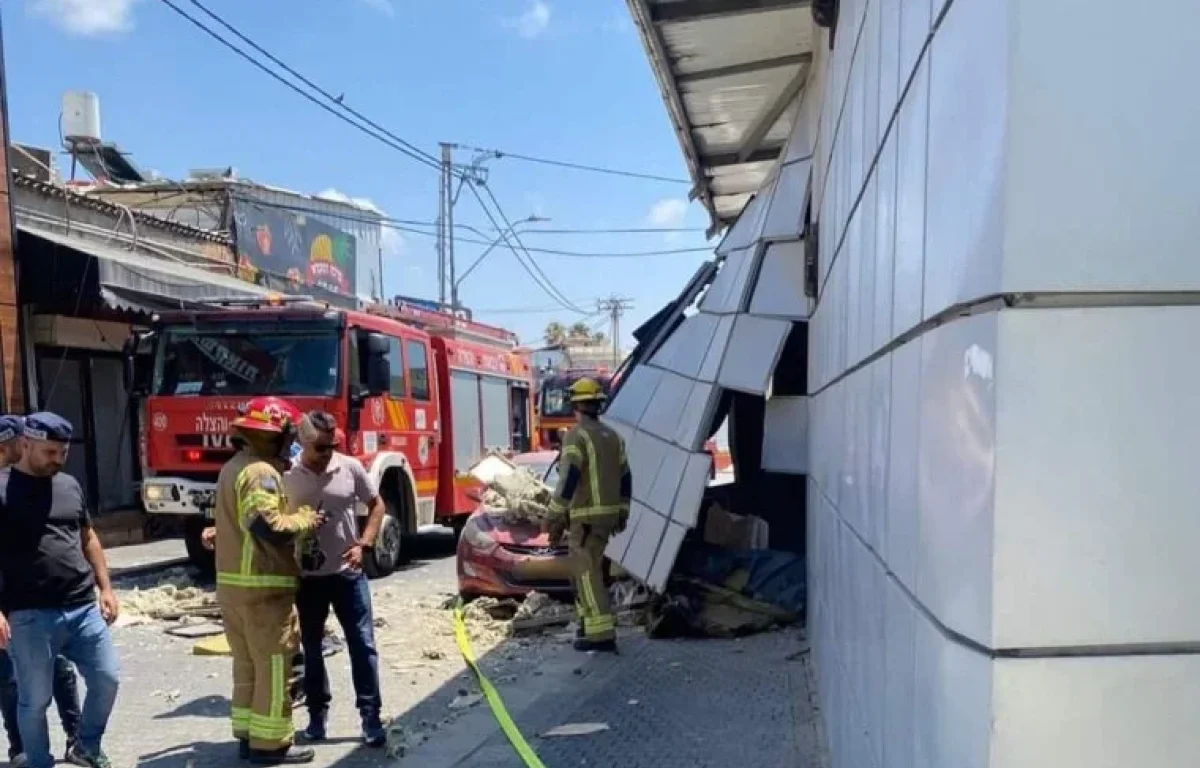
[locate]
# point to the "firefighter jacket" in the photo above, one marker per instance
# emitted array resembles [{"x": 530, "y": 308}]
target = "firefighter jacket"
[
  {"x": 594, "y": 483},
  {"x": 256, "y": 527}
]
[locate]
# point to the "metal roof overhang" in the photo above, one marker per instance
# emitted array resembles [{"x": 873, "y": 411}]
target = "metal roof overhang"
[
  {"x": 730, "y": 72},
  {"x": 130, "y": 281}
]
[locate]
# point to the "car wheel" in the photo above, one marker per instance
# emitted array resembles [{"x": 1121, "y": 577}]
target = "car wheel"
[{"x": 384, "y": 558}]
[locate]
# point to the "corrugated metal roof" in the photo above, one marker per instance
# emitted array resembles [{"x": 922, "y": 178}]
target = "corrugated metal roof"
[{"x": 731, "y": 72}]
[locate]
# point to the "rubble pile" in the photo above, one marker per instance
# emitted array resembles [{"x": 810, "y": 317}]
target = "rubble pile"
[
  {"x": 518, "y": 495},
  {"x": 174, "y": 596}
]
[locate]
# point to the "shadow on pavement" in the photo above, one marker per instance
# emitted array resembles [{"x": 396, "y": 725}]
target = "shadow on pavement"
[
  {"x": 197, "y": 753},
  {"x": 205, "y": 706}
]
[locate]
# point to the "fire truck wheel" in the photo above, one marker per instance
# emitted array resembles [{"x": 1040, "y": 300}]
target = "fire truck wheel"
[
  {"x": 200, "y": 558},
  {"x": 389, "y": 552}
]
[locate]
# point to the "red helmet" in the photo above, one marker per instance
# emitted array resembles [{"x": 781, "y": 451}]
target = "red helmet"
[{"x": 267, "y": 414}]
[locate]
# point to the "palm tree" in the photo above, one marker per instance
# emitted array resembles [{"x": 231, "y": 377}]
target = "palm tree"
[
  {"x": 580, "y": 332},
  {"x": 555, "y": 333}
]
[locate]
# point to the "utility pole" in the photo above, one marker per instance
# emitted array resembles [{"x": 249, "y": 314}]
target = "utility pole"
[
  {"x": 615, "y": 306},
  {"x": 445, "y": 230}
]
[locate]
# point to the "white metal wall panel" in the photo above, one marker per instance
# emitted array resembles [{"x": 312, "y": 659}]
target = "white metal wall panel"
[
  {"x": 666, "y": 482},
  {"x": 727, "y": 294},
  {"x": 754, "y": 348},
  {"x": 644, "y": 544},
  {"x": 664, "y": 560},
  {"x": 634, "y": 395},
  {"x": 697, "y": 418},
  {"x": 646, "y": 454},
  {"x": 662, "y": 419},
  {"x": 716, "y": 350},
  {"x": 779, "y": 291},
  {"x": 785, "y": 436},
  {"x": 785, "y": 218},
  {"x": 691, "y": 489}
]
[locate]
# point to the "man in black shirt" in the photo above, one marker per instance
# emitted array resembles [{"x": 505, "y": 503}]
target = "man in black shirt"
[
  {"x": 66, "y": 695},
  {"x": 51, "y": 564}
]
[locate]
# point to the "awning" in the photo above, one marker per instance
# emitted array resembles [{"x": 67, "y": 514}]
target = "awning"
[{"x": 136, "y": 282}]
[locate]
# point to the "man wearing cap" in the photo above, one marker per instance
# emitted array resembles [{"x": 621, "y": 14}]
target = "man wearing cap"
[
  {"x": 332, "y": 573},
  {"x": 56, "y": 591},
  {"x": 66, "y": 694}
]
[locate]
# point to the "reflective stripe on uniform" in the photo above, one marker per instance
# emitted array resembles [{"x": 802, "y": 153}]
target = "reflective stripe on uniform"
[
  {"x": 593, "y": 469},
  {"x": 256, "y": 581},
  {"x": 241, "y": 720},
  {"x": 271, "y": 728},
  {"x": 573, "y": 452},
  {"x": 591, "y": 513},
  {"x": 278, "y": 687}
]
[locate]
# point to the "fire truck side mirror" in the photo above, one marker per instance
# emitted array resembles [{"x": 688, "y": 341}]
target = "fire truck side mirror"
[
  {"x": 376, "y": 371},
  {"x": 137, "y": 361}
]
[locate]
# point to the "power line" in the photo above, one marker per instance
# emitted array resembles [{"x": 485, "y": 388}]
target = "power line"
[
  {"x": 531, "y": 268},
  {"x": 515, "y": 236},
  {"x": 402, "y": 225},
  {"x": 400, "y": 146},
  {"x": 578, "y": 166}
]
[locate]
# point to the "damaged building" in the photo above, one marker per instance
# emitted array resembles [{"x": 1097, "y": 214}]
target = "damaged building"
[{"x": 943, "y": 326}]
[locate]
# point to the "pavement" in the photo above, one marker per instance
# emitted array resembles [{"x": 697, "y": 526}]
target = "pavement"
[
  {"x": 139, "y": 558},
  {"x": 666, "y": 703}
]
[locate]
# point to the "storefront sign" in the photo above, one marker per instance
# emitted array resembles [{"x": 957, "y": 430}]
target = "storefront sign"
[{"x": 287, "y": 250}]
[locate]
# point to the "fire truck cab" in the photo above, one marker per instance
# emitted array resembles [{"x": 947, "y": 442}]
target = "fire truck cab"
[{"x": 420, "y": 396}]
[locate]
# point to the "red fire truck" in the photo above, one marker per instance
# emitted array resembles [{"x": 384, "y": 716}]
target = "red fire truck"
[
  {"x": 421, "y": 396},
  {"x": 554, "y": 411}
]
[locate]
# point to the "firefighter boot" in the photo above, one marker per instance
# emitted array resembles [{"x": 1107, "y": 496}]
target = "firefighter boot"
[
  {"x": 290, "y": 755},
  {"x": 316, "y": 730},
  {"x": 244, "y": 749}
]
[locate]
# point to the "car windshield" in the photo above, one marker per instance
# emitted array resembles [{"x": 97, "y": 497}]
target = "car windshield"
[
  {"x": 556, "y": 401},
  {"x": 547, "y": 470},
  {"x": 246, "y": 361}
]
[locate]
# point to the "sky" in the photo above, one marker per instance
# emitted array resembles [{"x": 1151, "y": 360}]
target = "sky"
[{"x": 561, "y": 79}]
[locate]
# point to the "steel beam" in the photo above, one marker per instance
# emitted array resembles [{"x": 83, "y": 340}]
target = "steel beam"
[
  {"x": 697, "y": 10},
  {"x": 744, "y": 68},
  {"x": 760, "y": 155},
  {"x": 771, "y": 112}
]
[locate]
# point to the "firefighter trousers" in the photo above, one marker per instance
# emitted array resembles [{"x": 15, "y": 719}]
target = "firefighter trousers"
[
  {"x": 586, "y": 543},
  {"x": 260, "y": 625}
]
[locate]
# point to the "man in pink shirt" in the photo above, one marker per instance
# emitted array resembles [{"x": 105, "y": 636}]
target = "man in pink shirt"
[{"x": 332, "y": 574}]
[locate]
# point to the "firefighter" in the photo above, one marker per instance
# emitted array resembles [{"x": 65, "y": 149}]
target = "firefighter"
[
  {"x": 590, "y": 504},
  {"x": 257, "y": 577}
]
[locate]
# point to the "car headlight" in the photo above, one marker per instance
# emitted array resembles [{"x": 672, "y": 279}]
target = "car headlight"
[
  {"x": 476, "y": 536},
  {"x": 155, "y": 492}
]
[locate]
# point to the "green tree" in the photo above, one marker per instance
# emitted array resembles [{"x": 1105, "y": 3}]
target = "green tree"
[{"x": 555, "y": 333}]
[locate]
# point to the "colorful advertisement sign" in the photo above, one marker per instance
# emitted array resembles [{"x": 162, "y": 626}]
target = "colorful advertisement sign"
[{"x": 290, "y": 250}]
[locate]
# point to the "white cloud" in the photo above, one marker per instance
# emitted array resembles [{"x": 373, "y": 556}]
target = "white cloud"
[
  {"x": 534, "y": 21},
  {"x": 668, "y": 213},
  {"x": 87, "y": 17},
  {"x": 383, "y": 6},
  {"x": 391, "y": 240}
]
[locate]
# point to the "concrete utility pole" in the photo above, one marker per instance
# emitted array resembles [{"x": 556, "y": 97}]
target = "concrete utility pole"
[
  {"x": 445, "y": 229},
  {"x": 615, "y": 306}
]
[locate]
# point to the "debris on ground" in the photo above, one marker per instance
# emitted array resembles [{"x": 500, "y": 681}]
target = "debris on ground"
[
  {"x": 465, "y": 700},
  {"x": 575, "y": 729},
  {"x": 519, "y": 496},
  {"x": 171, "y": 595},
  {"x": 195, "y": 631}
]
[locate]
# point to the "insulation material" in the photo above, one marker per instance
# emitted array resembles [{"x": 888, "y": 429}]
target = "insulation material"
[
  {"x": 727, "y": 294},
  {"x": 634, "y": 395},
  {"x": 785, "y": 216},
  {"x": 666, "y": 483},
  {"x": 518, "y": 495},
  {"x": 664, "y": 560},
  {"x": 716, "y": 350},
  {"x": 754, "y": 347},
  {"x": 785, "y": 436},
  {"x": 780, "y": 288},
  {"x": 644, "y": 544},
  {"x": 696, "y": 421},
  {"x": 691, "y": 489},
  {"x": 669, "y": 400}
]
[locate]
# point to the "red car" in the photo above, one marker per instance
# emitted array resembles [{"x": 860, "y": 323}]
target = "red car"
[{"x": 510, "y": 560}]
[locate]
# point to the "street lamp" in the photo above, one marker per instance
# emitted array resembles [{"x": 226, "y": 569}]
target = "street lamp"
[{"x": 533, "y": 219}]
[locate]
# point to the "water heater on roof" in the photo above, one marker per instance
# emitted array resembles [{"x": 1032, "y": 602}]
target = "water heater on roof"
[{"x": 80, "y": 118}]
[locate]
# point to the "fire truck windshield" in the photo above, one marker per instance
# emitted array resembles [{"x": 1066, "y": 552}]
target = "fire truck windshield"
[{"x": 300, "y": 359}]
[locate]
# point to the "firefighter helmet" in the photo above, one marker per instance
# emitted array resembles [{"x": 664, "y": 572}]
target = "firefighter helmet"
[
  {"x": 587, "y": 390},
  {"x": 268, "y": 414}
]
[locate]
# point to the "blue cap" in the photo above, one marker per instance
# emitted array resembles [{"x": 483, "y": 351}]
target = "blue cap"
[
  {"x": 11, "y": 427},
  {"x": 48, "y": 426}
]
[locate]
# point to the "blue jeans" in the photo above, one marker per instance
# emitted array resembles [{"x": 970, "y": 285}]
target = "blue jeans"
[
  {"x": 350, "y": 597},
  {"x": 66, "y": 698},
  {"x": 38, "y": 638}
]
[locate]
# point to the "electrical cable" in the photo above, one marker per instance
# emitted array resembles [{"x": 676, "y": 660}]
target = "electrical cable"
[
  {"x": 308, "y": 96},
  {"x": 333, "y": 99},
  {"x": 531, "y": 268},
  {"x": 500, "y": 154},
  {"x": 399, "y": 225}
]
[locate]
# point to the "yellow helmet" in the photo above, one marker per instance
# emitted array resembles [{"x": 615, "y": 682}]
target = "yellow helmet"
[{"x": 587, "y": 390}]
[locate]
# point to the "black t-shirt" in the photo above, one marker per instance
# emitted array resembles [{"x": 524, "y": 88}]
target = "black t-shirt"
[{"x": 41, "y": 550}]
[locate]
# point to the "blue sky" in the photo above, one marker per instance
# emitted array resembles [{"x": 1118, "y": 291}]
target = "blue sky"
[{"x": 564, "y": 79}]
